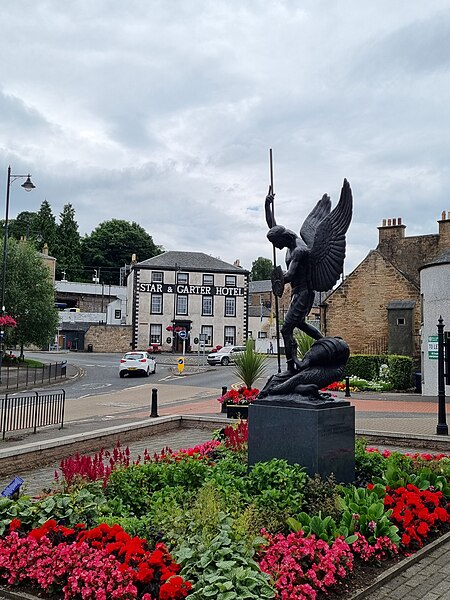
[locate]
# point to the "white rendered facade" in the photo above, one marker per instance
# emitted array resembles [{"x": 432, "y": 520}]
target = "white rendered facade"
[
  {"x": 435, "y": 290},
  {"x": 187, "y": 292}
]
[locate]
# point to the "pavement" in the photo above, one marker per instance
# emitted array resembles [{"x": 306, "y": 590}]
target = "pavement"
[{"x": 395, "y": 420}]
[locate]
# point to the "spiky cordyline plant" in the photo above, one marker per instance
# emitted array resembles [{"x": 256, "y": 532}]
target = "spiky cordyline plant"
[{"x": 249, "y": 364}]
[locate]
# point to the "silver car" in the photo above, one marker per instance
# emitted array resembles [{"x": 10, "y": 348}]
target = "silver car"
[
  {"x": 224, "y": 356},
  {"x": 137, "y": 362}
]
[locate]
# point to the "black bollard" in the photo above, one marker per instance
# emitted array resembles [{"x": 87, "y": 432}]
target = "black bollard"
[
  {"x": 442, "y": 427},
  {"x": 154, "y": 412},
  {"x": 347, "y": 387},
  {"x": 224, "y": 406}
]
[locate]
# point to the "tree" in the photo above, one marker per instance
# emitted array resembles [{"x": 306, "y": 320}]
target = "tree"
[
  {"x": 45, "y": 228},
  {"x": 68, "y": 248},
  {"x": 111, "y": 245},
  {"x": 22, "y": 226},
  {"x": 29, "y": 296},
  {"x": 261, "y": 269}
]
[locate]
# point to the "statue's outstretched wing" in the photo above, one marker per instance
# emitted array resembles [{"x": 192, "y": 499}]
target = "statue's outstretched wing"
[
  {"x": 319, "y": 212},
  {"x": 327, "y": 251}
]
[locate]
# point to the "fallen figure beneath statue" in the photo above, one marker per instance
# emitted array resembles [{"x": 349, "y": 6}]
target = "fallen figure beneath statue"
[{"x": 323, "y": 364}]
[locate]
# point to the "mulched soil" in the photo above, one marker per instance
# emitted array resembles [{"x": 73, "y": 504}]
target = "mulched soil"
[{"x": 363, "y": 576}]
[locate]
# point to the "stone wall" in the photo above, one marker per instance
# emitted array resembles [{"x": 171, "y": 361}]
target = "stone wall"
[
  {"x": 109, "y": 338},
  {"x": 408, "y": 254},
  {"x": 357, "y": 309}
]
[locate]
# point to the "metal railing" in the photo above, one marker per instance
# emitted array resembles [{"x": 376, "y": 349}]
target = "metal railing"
[
  {"x": 32, "y": 410},
  {"x": 22, "y": 377}
]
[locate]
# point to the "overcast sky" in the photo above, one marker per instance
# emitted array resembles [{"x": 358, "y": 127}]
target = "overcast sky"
[{"x": 163, "y": 113}]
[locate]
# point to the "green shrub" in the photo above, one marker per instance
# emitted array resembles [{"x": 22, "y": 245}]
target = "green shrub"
[
  {"x": 83, "y": 505},
  {"x": 400, "y": 371},
  {"x": 367, "y": 366},
  {"x": 324, "y": 528},
  {"x": 320, "y": 496},
  {"x": 221, "y": 567},
  {"x": 136, "y": 484},
  {"x": 277, "y": 485},
  {"x": 367, "y": 464},
  {"x": 364, "y": 366},
  {"x": 364, "y": 511},
  {"x": 229, "y": 475}
]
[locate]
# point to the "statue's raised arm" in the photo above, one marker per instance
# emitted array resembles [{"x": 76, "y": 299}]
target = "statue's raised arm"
[{"x": 270, "y": 213}]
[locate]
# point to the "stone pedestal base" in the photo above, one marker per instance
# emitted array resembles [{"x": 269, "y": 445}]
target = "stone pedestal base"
[{"x": 320, "y": 439}]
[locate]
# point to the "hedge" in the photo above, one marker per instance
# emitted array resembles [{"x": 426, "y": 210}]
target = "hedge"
[{"x": 367, "y": 366}]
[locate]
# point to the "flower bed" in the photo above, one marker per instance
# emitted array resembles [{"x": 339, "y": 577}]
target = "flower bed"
[
  {"x": 241, "y": 396},
  {"x": 197, "y": 524}
]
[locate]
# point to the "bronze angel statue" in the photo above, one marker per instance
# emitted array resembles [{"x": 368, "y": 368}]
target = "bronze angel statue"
[{"x": 314, "y": 262}]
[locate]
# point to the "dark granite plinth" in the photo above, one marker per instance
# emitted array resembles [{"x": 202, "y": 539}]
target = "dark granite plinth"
[{"x": 320, "y": 439}]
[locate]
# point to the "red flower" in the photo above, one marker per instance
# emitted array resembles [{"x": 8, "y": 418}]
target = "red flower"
[
  {"x": 423, "y": 529},
  {"x": 7, "y": 321},
  {"x": 406, "y": 540},
  {"x": 15, "y": 524}
]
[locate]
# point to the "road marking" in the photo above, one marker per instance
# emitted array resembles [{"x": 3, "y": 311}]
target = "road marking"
[
  {"x": 116, "y": 404},
  {"x": 138, "y": 386},
  {"x": 96, "y": 386}
]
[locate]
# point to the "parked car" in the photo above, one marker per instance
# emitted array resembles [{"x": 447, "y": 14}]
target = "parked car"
[
  {"x": 154, "y": 349},
  {"x": 224, "y": 356},
  {"x": 137, "y": 362}
]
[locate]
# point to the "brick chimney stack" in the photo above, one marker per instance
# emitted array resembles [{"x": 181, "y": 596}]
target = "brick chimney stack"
[
  {"x": 444, "y": 231},
  {"x": 391, "y": 229}
]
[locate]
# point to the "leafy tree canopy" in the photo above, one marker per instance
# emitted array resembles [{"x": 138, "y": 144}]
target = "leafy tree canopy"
[
  {"x": 261, "y": 269},
  {"x": 29, "y": 296},
  {"x": 22, "y": 226},
  {"x": 112, "y": 244}
]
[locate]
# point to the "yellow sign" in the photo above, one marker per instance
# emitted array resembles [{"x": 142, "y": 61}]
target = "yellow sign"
[{"x": 180, "y": 365}]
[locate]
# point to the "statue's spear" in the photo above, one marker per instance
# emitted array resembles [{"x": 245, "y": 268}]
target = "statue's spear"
[{"x": 277, "y": 317}]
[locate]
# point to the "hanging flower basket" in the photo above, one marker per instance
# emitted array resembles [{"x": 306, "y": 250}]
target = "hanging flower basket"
[{"x": 7, "y": 321}]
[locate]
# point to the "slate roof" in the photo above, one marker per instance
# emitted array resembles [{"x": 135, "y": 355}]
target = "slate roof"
[
  {"x": 401, "y": 304},
  {"x": 190, "y": 261},
  {"x": 259, "y": 287},
  {"x": 442, "y": 259}
]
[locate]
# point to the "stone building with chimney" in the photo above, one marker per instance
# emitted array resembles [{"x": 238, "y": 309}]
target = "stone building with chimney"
[{"x": 378, "y": 307}]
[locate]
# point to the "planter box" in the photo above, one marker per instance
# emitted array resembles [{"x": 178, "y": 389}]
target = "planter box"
[{"x": 237, "y": 411}]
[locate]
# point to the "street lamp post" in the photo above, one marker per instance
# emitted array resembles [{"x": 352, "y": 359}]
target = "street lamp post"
[{"x": 28, "y": 185}]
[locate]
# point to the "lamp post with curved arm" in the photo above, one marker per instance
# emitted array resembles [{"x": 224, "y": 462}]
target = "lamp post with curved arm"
[{"x": 28, "y": 185}]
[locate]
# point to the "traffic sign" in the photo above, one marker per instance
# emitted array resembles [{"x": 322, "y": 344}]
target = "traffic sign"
[
  {"x": 182, "y": 334},
  {"x": 180, "y": 365},
  {"x": 433, "y": 347}
]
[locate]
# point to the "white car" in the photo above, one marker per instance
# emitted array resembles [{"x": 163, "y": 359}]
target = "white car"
[
  {"x": 224, "y": 356},
  {"x": 137, "y": 362}
]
